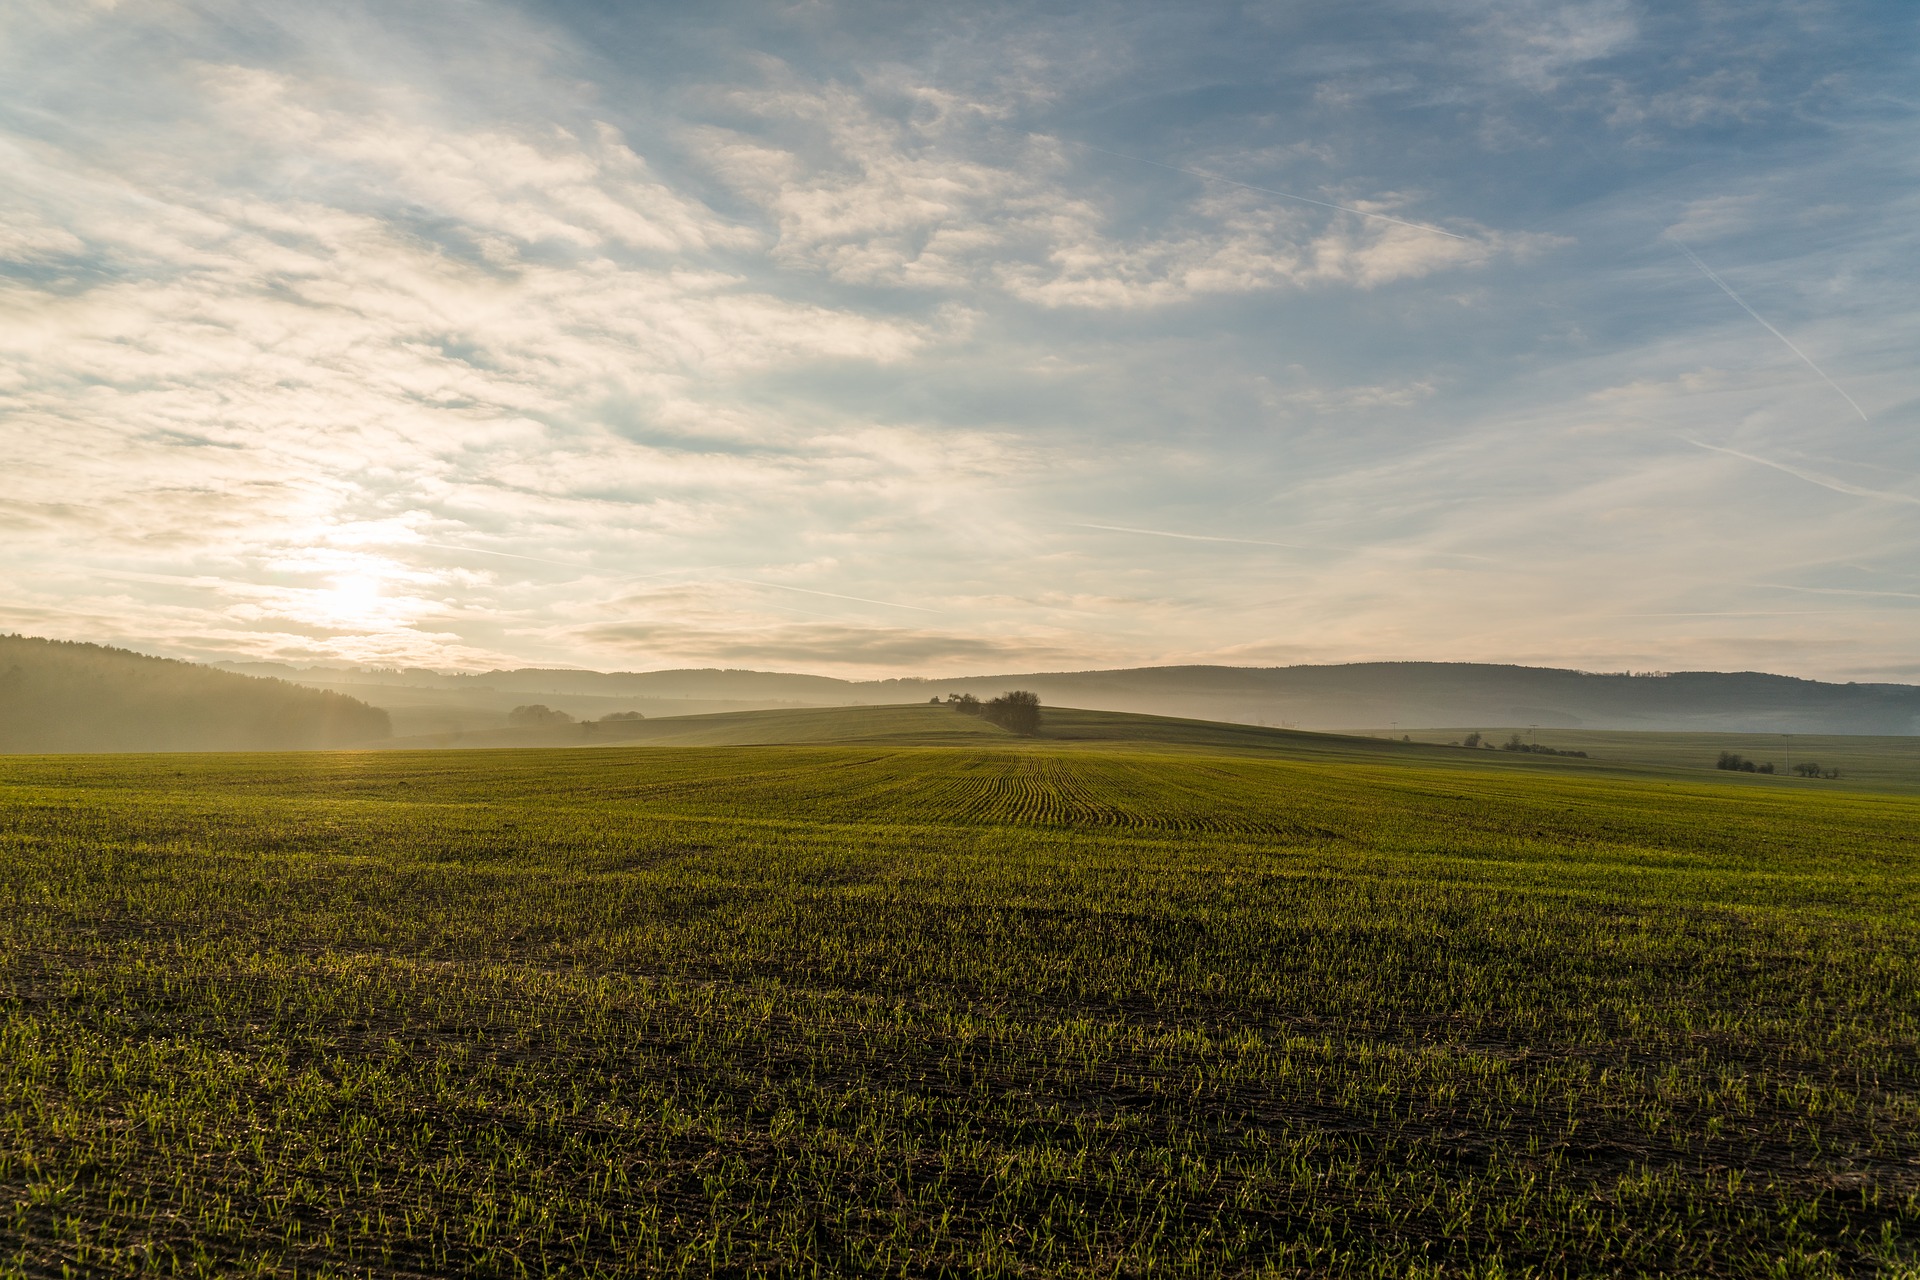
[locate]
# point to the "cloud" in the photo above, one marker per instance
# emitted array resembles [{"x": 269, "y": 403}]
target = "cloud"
[
  {"x": 821, "y": 644},
  {"x": 938, "y": 202},
  {"x": 506, "y": 189},
  {"x": 1535, "y": 42}
]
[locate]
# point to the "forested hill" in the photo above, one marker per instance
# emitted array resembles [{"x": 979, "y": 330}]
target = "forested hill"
[
  {"x": 1379, "y": 695},
  {"x": 58, "y": 696},
  {"x": 1361, "y": 695}
]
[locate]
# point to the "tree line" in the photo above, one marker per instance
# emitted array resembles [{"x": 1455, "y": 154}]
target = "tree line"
[{"x": 1734, "y": 761}]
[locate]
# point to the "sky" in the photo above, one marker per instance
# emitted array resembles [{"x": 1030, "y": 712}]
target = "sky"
[{"x": 881, "y": 339}]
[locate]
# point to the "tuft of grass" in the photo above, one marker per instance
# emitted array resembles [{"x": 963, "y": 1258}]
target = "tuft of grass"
[{"x": 974, "y": 1009}]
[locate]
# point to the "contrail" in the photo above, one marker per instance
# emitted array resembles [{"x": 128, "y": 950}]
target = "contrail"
[
  {"x": 1202, "y": 537},
  {"x": 1811, "y": 477},
  {"x": 1287, "y": 546},
  {"x": 1780, "y": 586},
  {"x": 1839, "y": 591},
  {"x": 1284, "y": 195},
  {"x": 482, "y": 551},
  {"x": 1726, "y": 289},
  {"x": 831, "y": 594}
]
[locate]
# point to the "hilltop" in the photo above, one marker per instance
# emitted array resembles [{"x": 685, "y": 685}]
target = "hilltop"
[{"x": 60, "y": 696}]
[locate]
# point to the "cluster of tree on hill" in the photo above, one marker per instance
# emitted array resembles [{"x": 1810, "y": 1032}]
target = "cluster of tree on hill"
[
  {"x": 58, "y": 696},
  {"x": 1516, "y": 743},
  {"x": 538, "y": 715},
  {"x": 1738, "y": 763},
  {"x": 1017, "y": 711}
]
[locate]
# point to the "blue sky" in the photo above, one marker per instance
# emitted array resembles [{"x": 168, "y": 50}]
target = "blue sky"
[{"x": 880, "y": 339}]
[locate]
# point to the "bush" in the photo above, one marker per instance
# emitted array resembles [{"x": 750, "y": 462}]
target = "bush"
[{"x": 621, "y": 715}]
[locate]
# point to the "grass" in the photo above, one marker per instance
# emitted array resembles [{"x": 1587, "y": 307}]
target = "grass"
[{"x": 982, "y": 1008}]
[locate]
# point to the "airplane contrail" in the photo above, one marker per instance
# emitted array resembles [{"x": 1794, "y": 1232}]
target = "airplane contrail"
[
  {"x": 1741, "y": 613},
  {"x": 1811, "y": 477},
  {"x": 1728, "y": 290},
  {"x": 1269, "y": 191},
  {"x": 1201, "y": 537},
  {"x": 1839, "y": 591},
  {"x": 482, "y": 551},
  {"x": 1287, "y": 546},
  {"x": 835, "y": 595}
]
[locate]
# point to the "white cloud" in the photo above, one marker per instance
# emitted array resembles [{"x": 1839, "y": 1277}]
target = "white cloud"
[{"x": 869, "y": 199}]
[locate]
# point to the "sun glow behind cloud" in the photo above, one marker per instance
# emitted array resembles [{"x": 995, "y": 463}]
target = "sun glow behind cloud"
[{"x": 456, "y": 340}]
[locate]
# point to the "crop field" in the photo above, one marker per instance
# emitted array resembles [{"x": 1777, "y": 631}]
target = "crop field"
[{"x": 972, "y": 1009}]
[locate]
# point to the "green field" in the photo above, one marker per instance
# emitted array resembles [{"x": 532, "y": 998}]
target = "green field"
[
  {"x": 1875, "y": 763},
  {"x": 1199, "y": 1006}
]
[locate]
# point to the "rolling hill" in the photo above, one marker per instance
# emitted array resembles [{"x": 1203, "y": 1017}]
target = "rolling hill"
[
  {"x": 1370, "y": 695},
  {"x": 58, "y": 696},
  {"x": 1875, "y": 763}
]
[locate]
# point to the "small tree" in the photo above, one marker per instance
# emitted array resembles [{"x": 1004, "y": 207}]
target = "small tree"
[
  {"x": 1472, "y": 739},
  {"x": 1807, "y": 770},
  {"x": 537, "y": 716},
  {"x": 1016, "y": 712},
  {"x": 965, "y": 703}
]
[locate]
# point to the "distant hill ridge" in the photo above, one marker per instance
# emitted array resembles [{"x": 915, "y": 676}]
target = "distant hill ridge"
[
  {"x": 65, "y": 696},
  {"x": 1363, "y": 695}
]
